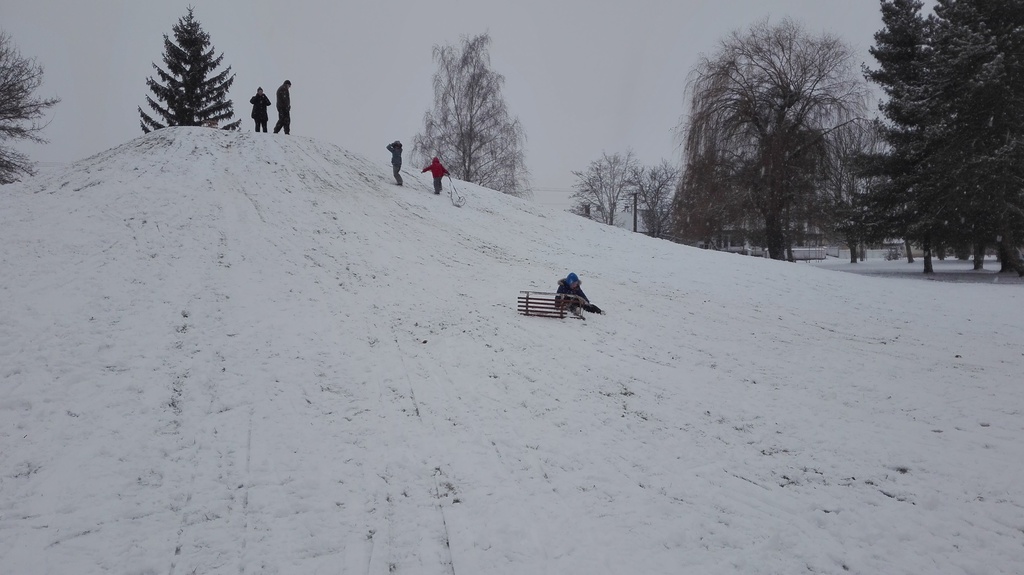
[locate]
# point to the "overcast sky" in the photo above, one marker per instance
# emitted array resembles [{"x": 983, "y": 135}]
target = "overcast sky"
[{"x": 583, "y": 76}]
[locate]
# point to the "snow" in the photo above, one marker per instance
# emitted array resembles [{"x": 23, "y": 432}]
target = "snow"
[
  {"x": 948, "y": 270},
  {"x": 247, "y": 353}
]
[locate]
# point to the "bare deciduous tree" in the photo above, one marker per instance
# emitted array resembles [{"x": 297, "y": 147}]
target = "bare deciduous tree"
[
  {"x": 654, "y": 187},
  {"x": 470, "y": 128},
  {"x": 846, "y": 182},
  {"x": 708, "y": 201},
  {"x": 760, "y": 109},
  {"x": 20, "y": 77},
  {"x": 604, "y": 186}
]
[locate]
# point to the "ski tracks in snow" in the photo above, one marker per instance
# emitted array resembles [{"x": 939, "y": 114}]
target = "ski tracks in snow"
[
  {"x": 435, "y": 438},
  {"x": 413, "y": 488},
  {"x": 213, "y": 430}
]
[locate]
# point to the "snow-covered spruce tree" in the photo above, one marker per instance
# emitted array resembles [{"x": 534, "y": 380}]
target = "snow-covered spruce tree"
[
  {"x": 469, "y": 127},
  {"x": 192, "y": 92},
  {"x": 900, "y": 206},
  {"x": 19, "y": 108},
  {"x": 978, "y": 87}
]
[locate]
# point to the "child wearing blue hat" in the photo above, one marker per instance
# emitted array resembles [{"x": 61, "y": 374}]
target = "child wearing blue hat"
[{"x": 569, "y": 288}]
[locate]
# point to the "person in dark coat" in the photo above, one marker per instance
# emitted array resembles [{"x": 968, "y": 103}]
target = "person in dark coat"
[
  {"x": 396, "y": 159},
  {"x": 284, "y": 108},
  {"x": 260, "y": 102},
  {"x": 438, "y": 171},
  {"x": 571, "y": 294}
]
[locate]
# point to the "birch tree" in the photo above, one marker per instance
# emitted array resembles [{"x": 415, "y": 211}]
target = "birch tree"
[{"x": 470, "y": 127}]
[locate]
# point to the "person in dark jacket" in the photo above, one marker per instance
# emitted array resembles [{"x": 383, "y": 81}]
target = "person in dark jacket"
[
  {"x": 396, "y": 159},
  {"x": 260, "y": 102},
  {"x": 571, "y": 294},
  {"x": 284, "y": 108},
  {"x": 438, "y": 171}
]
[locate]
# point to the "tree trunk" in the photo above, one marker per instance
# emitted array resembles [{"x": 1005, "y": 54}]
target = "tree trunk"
[
  {"x": 928, "y": 269},
  {"x": 1009, "y": 259},
  {"x": 853, "y": 252},
  {"x": 910, "y": 252},
  {"x": 979, "y": 256},
  {"x": 774, "y": 239}
]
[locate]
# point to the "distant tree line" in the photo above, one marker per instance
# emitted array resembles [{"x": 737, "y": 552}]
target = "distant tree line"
[
  {"x": 777, "y": 143},
  {"x": 775, "y": 122},
  {"x": 779, "y": 148},
  {"x": 617, "y": 186}
]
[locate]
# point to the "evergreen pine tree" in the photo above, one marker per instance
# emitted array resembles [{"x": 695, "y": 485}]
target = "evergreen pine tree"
[
  {"x": 900, "y": 206},
  {"x": 979, "y": 87},
  {"x": 194, "y": 93}
]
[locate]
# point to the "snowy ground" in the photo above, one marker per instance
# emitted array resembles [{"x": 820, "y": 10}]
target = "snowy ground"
[
  {"x": 235, "y": 353},
  {"x": 948, "y": 270}
]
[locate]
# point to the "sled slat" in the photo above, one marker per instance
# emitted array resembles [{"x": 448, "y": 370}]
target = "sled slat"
[{"x": 543, "y": 304}]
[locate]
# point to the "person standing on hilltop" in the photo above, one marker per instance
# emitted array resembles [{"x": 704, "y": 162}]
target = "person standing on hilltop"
[
  {"x": 260, "y": 102},
  {"x": 438, "y": 171},
  {"x": 396, "y": 160},
  {"x": 284, "y": 108}
]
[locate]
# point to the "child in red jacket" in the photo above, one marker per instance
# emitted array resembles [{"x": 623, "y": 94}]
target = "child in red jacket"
[{"x": 438, "y": 171}]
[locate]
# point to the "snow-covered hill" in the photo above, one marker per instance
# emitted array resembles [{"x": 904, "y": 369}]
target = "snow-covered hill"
[{"x": 226, "y": 353}]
